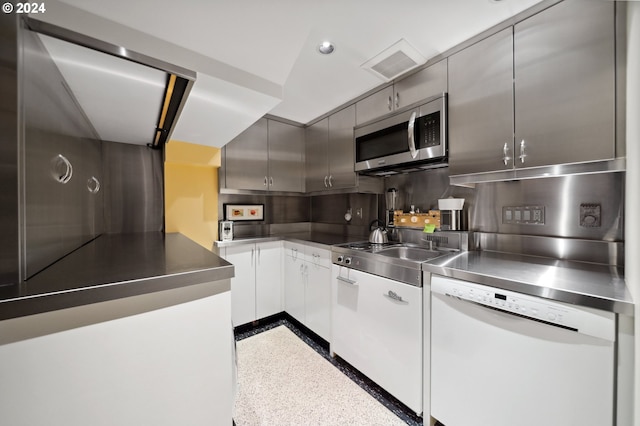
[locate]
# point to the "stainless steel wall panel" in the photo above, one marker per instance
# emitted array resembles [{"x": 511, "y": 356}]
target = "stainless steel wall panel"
[
  {"x": 59, "y": 216},
  {"x": 9, "y": 215},
  {"x": 423, "y": 189},
  {"x": 134, "y": 192},
  {"x": 561, "y": 198}
]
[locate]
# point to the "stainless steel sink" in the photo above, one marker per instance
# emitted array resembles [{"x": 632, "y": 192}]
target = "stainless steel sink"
[{"x": 415, "y": 254}]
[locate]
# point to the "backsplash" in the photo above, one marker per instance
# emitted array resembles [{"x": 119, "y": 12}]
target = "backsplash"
[
  {"x": 570, "y": 205},
  {"x": 585, "y": 206}
]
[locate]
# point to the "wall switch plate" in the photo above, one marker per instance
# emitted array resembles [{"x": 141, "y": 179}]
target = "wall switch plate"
[
  {"x": 590, "y": 215},
  {"x": 523, "y": 215}
]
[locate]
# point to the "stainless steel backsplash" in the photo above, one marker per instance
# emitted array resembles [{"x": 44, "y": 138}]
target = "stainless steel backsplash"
[
  {"x": 561, "y": 198},
  {"x": 134, "y": 192}
]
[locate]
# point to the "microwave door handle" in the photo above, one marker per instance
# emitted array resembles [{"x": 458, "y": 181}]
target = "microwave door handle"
[{"x": 411, "y": 135}]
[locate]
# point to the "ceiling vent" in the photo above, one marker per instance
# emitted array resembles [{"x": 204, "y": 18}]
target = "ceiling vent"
[{"x": 394, "y": 61}]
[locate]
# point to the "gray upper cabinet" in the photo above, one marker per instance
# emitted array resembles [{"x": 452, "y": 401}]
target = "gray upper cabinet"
[
  {"x": 317, "y": 156},
  {"x": 329, "y": 153},
  {"x": 286, "y": 154},
  {"x": 540, "y": 93},
  {"x": 481, "y": 106},
  {"x": 246, "y": 158},
  {"x": 423, "y": 84},
  {"x": 375, "y": 105},
  {"x": 565, "y": 84},
  {"x": 341, "y": 148},
  {"x": 268, "y": 156}
]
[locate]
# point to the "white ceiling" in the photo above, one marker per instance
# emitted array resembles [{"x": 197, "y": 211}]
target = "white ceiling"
[{"x": 275, "y": 40}]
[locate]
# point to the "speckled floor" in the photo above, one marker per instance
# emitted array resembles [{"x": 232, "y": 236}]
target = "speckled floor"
[{"x": 287, "y": 377}]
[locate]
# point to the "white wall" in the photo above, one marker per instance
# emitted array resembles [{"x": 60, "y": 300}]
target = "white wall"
[
  {"x": 632, "y": 224},
  {"x": 157, "y": 365}
]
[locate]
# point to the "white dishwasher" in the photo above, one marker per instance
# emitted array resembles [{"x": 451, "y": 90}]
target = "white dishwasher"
[{"x": 502, "y": 358}]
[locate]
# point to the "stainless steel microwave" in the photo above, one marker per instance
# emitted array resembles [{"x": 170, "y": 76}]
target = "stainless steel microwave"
[{"x": 414, "y": 138}]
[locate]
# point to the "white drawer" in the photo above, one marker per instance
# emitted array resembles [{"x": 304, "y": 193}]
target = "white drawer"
[
  {"x": 294, "y": 250},
  {"x": 318, "y": 256}
]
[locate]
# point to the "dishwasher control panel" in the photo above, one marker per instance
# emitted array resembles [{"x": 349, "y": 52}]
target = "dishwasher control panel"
[{"x": 536, "y": 308}]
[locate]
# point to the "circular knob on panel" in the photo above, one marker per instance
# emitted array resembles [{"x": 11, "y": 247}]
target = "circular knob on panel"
[
  {"x": 551, "y": 316},
  {"x": 340, "y": 258},
  {"x": 347, "y": 261}
]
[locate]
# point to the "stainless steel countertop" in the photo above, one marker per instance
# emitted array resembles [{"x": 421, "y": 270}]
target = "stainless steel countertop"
[
  {"x": 113, "y": 267},
  {"x": 584, "y": 284},
  {"x": 318, "y": 239}
]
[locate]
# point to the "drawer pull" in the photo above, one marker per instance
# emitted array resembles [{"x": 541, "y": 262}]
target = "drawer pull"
[{"x": 394, "y": 296}]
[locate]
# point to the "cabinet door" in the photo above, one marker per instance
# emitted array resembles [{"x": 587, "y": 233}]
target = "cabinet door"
[
  {"x": 341, "y": 148},
  {"x": 565, "y": 84},
  {"x": 294, "y": 285},
  {"x": 426, "y": 83},
  {"x": 375, "y": 105},
  {"x": 317, "y": 156},
  {"x": 268, "y": 279},
  {"x": 387, "y": 344},
  {"x": 246, "y": 158},
  {"x": 286, "y": 157},
  {"x": 481, "y": 106},
  {"x": 243, "y": 285},
  {"x": 318, "y": 300}
]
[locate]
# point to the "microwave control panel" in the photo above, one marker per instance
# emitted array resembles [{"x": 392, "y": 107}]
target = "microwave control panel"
[{"x": 430, "y": 130}]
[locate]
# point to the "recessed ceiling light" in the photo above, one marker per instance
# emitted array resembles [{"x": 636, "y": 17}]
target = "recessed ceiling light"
[{"x": 326, "y": 47}]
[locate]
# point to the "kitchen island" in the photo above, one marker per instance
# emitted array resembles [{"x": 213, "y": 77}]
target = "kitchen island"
[{"x": 128, "y": 329}]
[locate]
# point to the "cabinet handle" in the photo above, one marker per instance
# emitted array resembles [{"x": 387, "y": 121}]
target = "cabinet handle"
[
  {"x": 271, "y": 181},
  {"x": 93, "y": 185},
  {"x": 258, "y": 257},
  {"x": 294, "y": 253},
  {"x": 347, "y": 280},
  {"x": 252, "y": 255},
  {"x": 397, "y": 99},
  {"x": 325, "y": 182},
  {"x": 57, "y": 164},
  {"x": 523, "y": 152},
  {"x": 330, "y": 183},
  {"x": 389, "y": 103},
  {"x": 411, "y": 136},
  {"x": 505, "y": 153},
  {"x": 395, "y": 296},
  {"x": 265, "y": 183}
]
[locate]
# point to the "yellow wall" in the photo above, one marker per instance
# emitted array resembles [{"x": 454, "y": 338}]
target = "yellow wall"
[{"x": 191, "y": 191}]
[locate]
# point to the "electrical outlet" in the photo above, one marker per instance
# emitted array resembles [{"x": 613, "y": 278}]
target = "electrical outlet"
[{"x": 590, "y": 215}]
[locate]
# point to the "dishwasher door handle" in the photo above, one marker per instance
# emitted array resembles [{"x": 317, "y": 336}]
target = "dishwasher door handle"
[{"x": 347, "y": 280}]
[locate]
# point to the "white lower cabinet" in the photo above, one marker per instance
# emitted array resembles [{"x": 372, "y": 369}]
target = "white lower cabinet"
[
  {"x": 376, "y": 326},
  {"x": 307, "y": 287},
  {"x": 317, "y": 300},
  {"x": 294, "y": 282},
  {"x": 256, "y": 289}
]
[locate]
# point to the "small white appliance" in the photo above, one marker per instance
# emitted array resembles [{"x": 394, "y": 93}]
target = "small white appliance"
[{"x": 226, "y": 230}]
